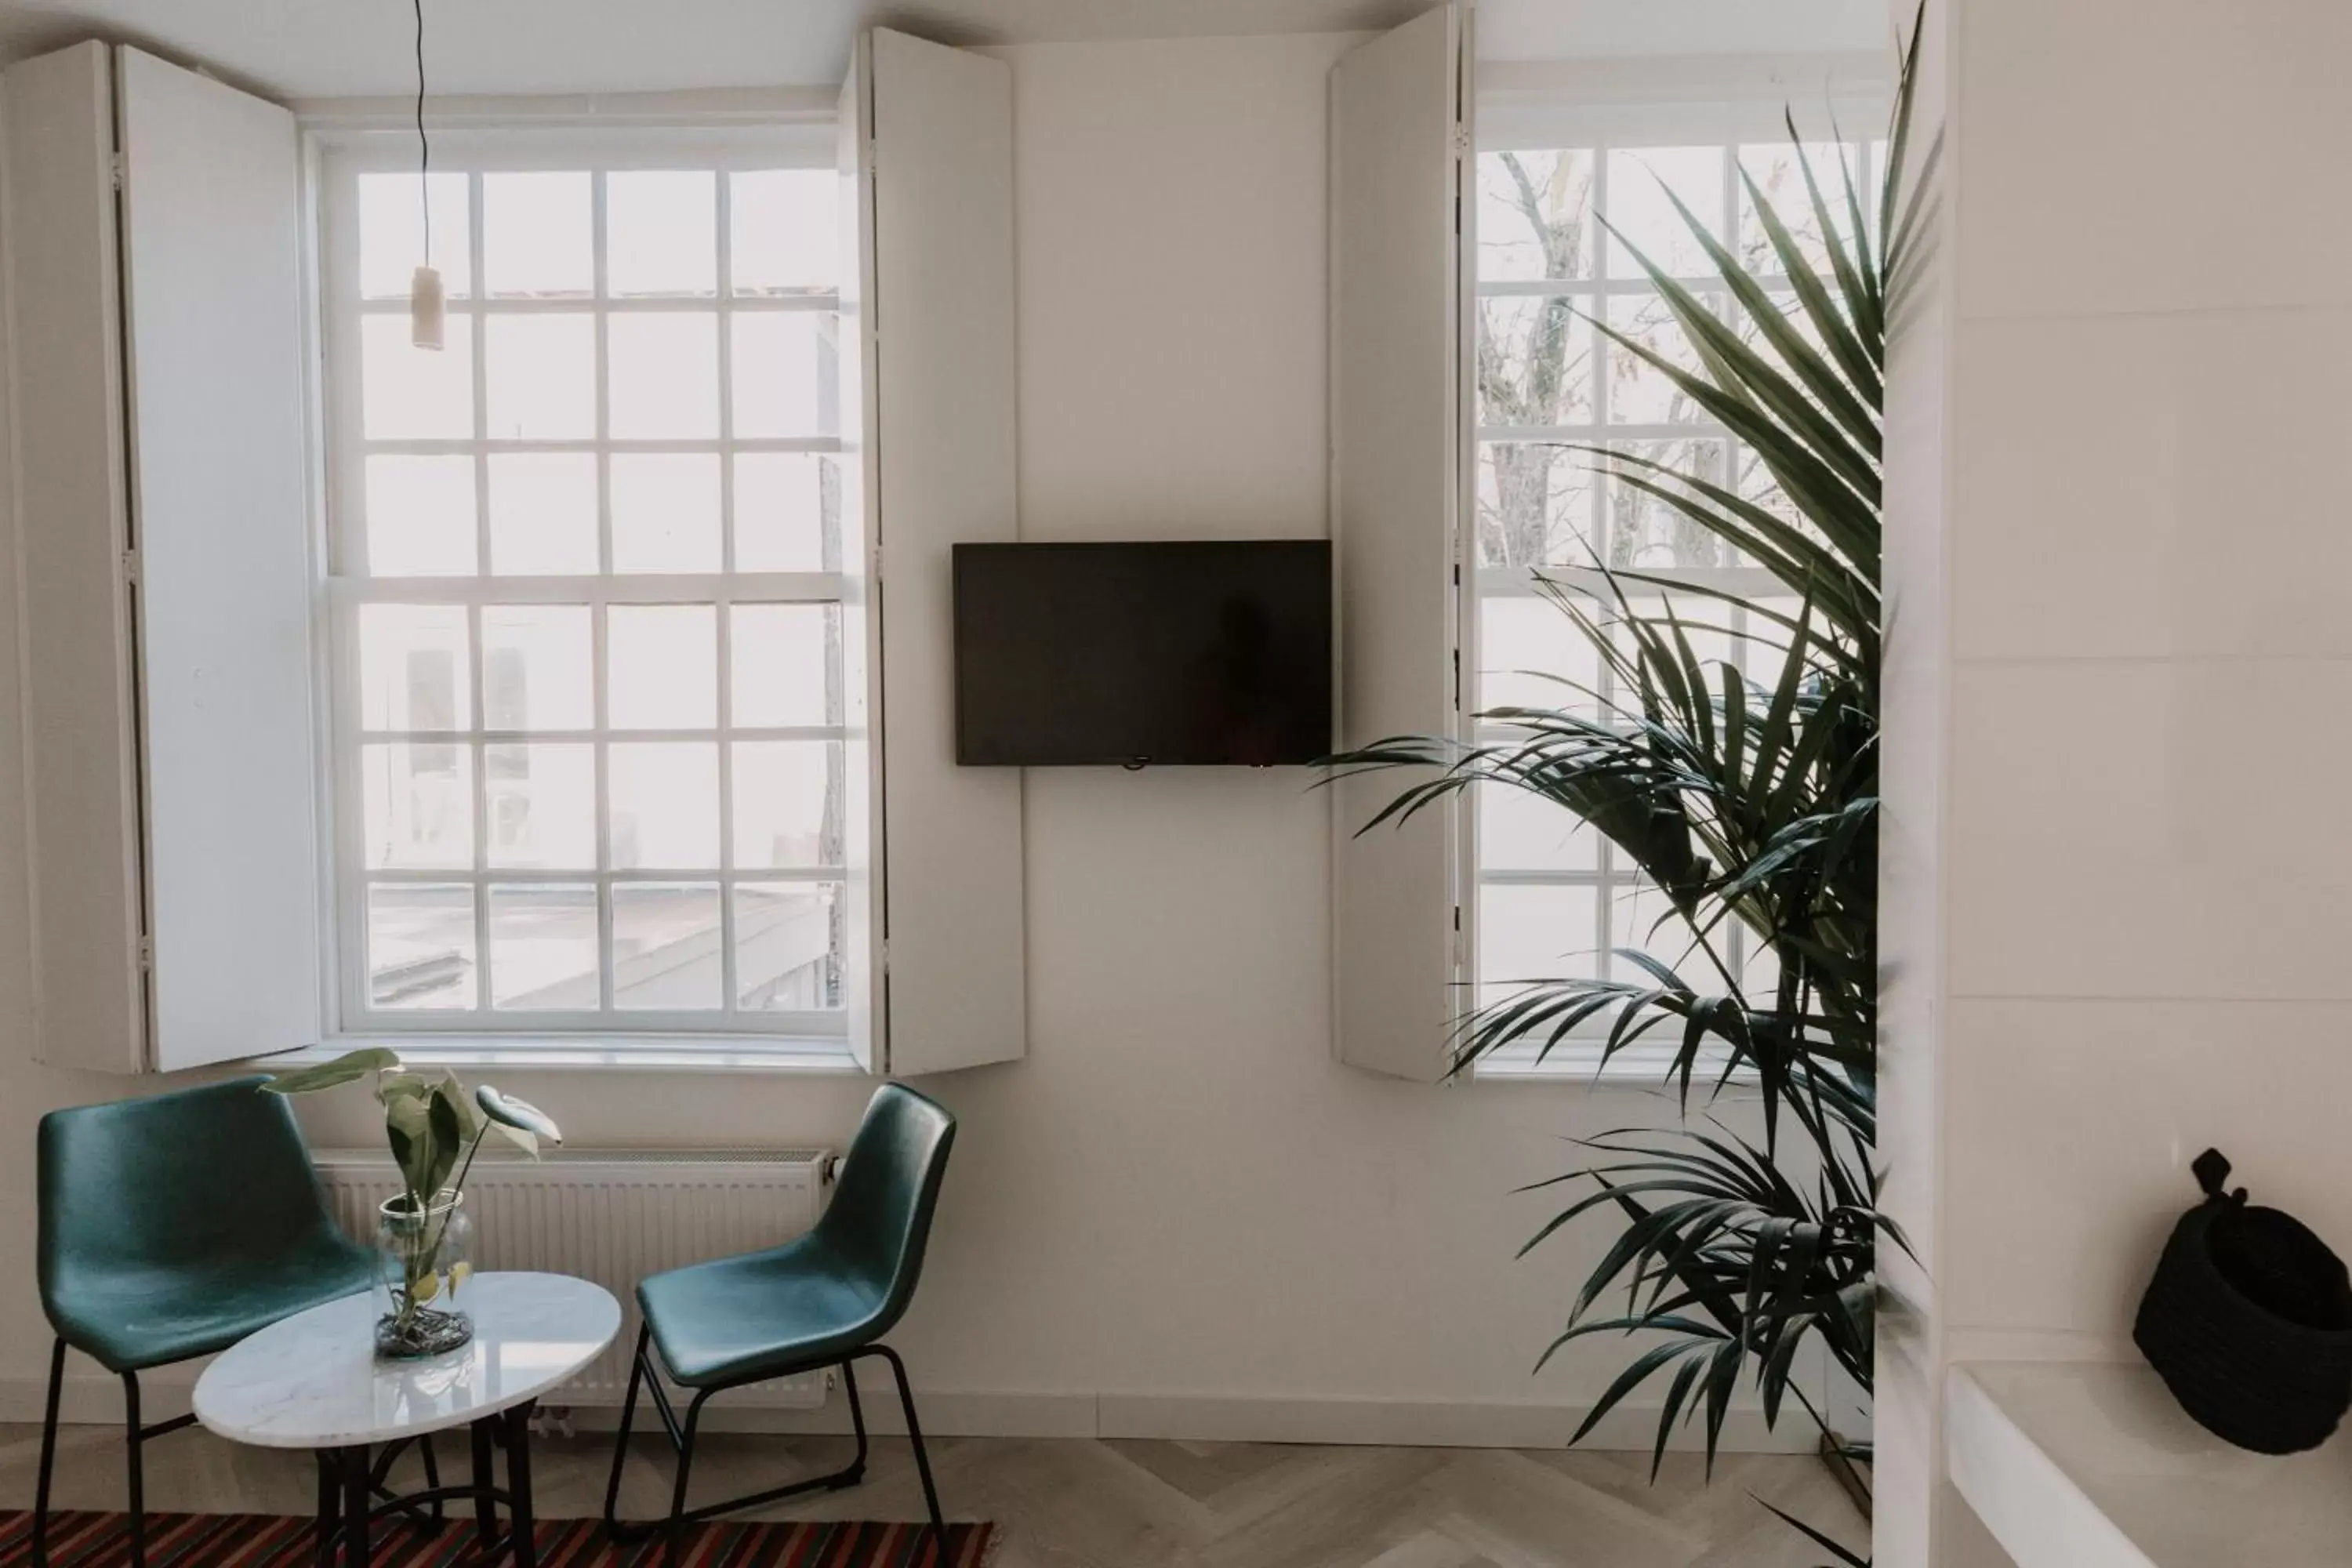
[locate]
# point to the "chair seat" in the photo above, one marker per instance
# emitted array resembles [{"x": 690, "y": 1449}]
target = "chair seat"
[
  {"x": 134, "y": 1318},
  {"x": 762, "y": 1314}
]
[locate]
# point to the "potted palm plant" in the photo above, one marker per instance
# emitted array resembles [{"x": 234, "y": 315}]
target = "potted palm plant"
[
  {"x": 423, "y": 1238},
  {"x": 1750, "y": 799}
]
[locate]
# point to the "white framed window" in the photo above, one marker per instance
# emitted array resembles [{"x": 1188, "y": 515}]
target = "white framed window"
[
  {"x": 587, "y": 711},
  {"x": 1555, "y": 899}
]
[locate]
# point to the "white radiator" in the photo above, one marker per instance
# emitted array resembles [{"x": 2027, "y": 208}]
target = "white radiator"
[{"x": 614, "y": 1216}]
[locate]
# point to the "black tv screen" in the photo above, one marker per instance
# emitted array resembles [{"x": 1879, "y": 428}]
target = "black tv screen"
[{"x": 1160, "y": 654}]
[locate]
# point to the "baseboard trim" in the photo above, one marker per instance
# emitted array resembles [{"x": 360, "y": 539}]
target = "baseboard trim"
[
  {"x": 91, "y": 1396},
  {"x": 946, "y": 1413},
  {"x": 1421, "y": 1423},
  {"x": 1236, "y": 1418}
]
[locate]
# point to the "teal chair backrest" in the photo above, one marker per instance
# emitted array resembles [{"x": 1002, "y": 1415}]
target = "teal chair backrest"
[
  {"x": 191, "y": 1176},
  {"x": 880, "y": 1216}
]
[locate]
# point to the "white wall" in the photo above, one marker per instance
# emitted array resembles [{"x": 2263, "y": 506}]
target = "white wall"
[
  {"x": 2133, "y": 918},
  {"x": 1177, "y": 1214},
  {"x": 1630, "y": 30},
  {"x": 1907, "y": 1479}
]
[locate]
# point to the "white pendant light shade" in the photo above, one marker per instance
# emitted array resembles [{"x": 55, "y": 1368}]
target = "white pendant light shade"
[{"x": 426, "y": 309}]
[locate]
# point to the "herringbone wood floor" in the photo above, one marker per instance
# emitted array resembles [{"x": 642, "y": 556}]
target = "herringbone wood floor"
[{"x": 1080, "y": 1504}]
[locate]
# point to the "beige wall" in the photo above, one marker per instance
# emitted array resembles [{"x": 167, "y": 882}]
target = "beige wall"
[
  {"x": 2114, "y": 872},
  {"x": 1178, "y": 1214}
]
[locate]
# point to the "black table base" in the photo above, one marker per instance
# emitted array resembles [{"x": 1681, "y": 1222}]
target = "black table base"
[{"x": 351, "y": 1480}]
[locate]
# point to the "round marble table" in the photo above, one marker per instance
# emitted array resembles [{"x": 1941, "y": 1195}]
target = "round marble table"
[{"x": 313, "y": 1382}]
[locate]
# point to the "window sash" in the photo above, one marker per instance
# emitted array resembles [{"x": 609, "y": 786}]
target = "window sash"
[
  {"x": 348, "y": 588},
  {"x": 354, "y": 879},
  {"x": 1610, "y": 880}
]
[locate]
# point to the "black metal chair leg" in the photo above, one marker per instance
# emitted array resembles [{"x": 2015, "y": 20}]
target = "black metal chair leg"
[
  {"x": 433, "y": 1479},
  {"x": 137, "y": 1480},
  {"x": 135, "y": 1433},
  {"x": 674, "y": 1538},
  {"x": 485, "y": 1511},
  {"x": 48, "y": 1457},
  {"x": 358, "y": 1504},
  {"x": 856, "y": 1471},
  {"x": 621, "y": 1439},
  {"x": 922, "y": 1459},
  {"x": 331, "y": 1505},
  {"x": 524, "y": 1525},
  {"x": 642, "y": 1377}
]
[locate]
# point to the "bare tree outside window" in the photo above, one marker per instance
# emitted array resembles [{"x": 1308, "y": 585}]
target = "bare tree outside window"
[
  {"x": 1553, "y": 394},
  {"x": 1534, "y": 354}
]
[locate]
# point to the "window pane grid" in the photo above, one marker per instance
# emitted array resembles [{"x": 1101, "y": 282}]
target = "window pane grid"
[
  {"x": 389, "y": 875},
  {"x": 1572, "y": 287},
  {"x": 600, "y": 655},
  {"x": 483, "y": 565},
  {"x": 477, "y": 739},
  {"x": 481, "y": 807},
  {"x": 600, "y": 272},
  {"x": 1618, "y": 907},
  {"x": 553, "y": 737},
  {"x": 823, "y": 303},
  {"x": 722, "y": 263},
  {"x": 544, "y": 891},
  {"x": 474, "y": 449}
]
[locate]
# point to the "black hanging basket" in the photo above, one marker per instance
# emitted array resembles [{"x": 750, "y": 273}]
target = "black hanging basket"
[{"x": 2248, "y": 1322}]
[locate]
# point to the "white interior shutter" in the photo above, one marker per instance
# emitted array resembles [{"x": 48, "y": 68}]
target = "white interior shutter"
[
  {"x": 154, "y": 247},
  {"x": 861, "y": 628},
  {"x": 936, "y": 330},
  {"x": 1399, "y": 439},
  {"x": 211, "y": 244},
  {"x": 73, "y": 530}
]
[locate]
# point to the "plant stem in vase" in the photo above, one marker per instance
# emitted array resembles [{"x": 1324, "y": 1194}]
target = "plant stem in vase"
[
  {"x": 424, "y": 1249},
  {"x": 423, "y": 1257}
]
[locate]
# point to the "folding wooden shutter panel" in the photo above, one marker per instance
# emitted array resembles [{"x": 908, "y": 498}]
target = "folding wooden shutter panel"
[
  {"x": 937, "y": 333},
  {"x": 861, "y": 627},
  {"x": 1398, "y": 437},
  {"x": 167, "y": 573},
  {"x": 212, "y": 246},
  {"x": 73, "y": 528}
]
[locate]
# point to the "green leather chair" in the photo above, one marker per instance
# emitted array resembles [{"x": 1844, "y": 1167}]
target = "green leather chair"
[
  {"x": 824, "y": 1299},
  {"x": 172, "y": 1226}
]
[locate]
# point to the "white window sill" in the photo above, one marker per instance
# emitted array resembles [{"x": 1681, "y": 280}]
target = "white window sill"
[
  {"x": 1646, "y": 1064},
  {"x": 594, "y": 1053}
]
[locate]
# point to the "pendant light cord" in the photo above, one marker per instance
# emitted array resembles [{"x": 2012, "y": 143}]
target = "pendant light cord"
[{"x": 423, "y": 147}]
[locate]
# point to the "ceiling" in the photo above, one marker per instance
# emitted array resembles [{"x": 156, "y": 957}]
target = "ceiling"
[{"x": 326, "y": 49}]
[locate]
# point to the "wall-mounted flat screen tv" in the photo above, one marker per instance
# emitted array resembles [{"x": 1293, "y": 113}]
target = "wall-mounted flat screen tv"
[{"x": 1165, "y": 653}]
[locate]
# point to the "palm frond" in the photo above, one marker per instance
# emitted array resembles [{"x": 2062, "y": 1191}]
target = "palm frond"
[
  {"x": 1723, "y": 1262},
  {"x": 1845, "y": 1558},
  {"x": 1744, "y": 790}
]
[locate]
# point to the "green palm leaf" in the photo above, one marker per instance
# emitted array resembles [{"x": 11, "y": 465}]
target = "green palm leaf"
[{"x": 1745, "y": 790}]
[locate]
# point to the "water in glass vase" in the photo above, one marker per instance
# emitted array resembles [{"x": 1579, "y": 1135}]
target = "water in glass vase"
[{"x": 423, "y": 1260}]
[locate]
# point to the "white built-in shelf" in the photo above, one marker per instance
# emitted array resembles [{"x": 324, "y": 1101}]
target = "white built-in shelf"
[{"x": 2079, "y": 1465}]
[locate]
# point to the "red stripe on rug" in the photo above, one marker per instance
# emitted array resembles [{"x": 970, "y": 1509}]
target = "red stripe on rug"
[
  {"x": 261, "y": 1547},
  {"x": 173, "y": 1540},
  {"x": 570, "y": 1545},
  {"x": 65, "y": 1534},
  {"x": 817, "y": 1548}
]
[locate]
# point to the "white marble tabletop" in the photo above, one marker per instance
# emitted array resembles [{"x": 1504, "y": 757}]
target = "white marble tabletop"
[{"x": 314, "y": 1381}]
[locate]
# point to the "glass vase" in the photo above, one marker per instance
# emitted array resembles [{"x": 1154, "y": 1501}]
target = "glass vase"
[{"x": 423, "y": 1260}]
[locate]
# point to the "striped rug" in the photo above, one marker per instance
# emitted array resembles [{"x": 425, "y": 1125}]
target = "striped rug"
[{"x": 268, "y": 1540}]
